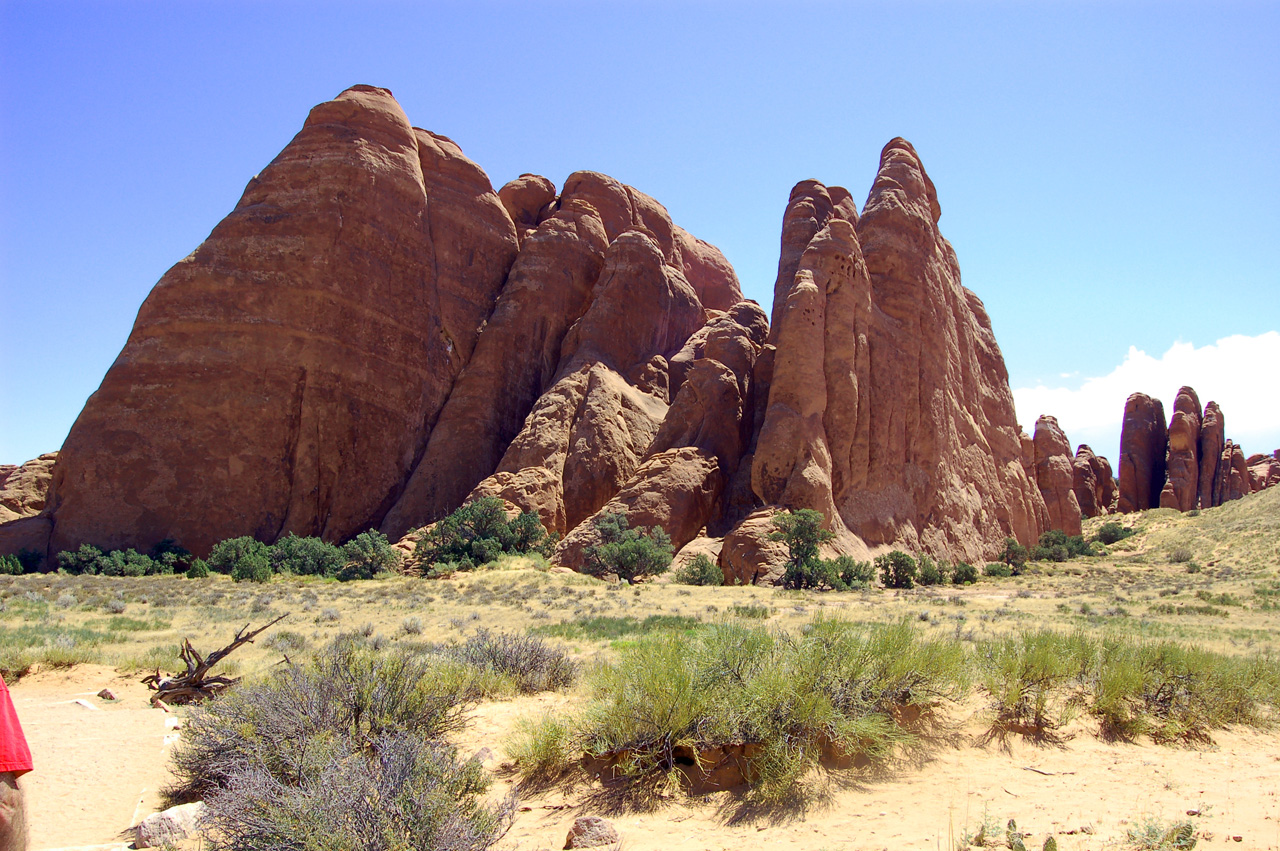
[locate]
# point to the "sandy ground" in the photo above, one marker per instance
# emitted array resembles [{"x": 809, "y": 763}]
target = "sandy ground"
[
  {"x": 1086, "y": 792},
  {"x": 99, "y": 771}
]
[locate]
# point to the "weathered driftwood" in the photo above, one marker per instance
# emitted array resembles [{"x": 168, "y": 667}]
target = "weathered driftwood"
[{"x": 196, "y": 684}]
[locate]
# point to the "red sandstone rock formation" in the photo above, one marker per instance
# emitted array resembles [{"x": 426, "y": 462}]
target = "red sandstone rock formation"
[
  {"x": 24, "y": 487},
  {"x": 1181, "y": 489},
  {"x": 889, "y": 401},
  {"x": 1233, "y": 473},
  {"x": 373, "y": 334},
  {"x": 1092, "y": 483},
  {"x": 529, "y": 201},
  {"x": 284, "y": 376},
  {"x": 1143, "y": 439},
  {"x": 1212, "y": 438},
  {"x": 1055, "y": 476},
  {"x": 1264, "y": 471}
]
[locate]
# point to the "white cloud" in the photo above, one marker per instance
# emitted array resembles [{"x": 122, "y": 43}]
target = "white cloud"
[{"x": 1236, "y": 372}]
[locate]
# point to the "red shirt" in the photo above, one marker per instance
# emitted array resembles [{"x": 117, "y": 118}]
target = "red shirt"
[{"x": 15, "y": 756}]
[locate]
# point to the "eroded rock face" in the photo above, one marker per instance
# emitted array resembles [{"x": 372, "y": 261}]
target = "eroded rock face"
[
  {"x": 1055, "y": 476},
  {"x": 25, "y": 487},
  {"x": 889, "y": 406},
  {"x": 528, "y": 200},
  {"x": 283, "y": 377},
  {"x": 1143, "y": 438},
  {"x": 548, "y": 289},
  {"x": 676, "y": 490},
  {"x": 1182, "y": 463},
  {"x": 1212, "y": 440},
  {"x": 1092, "y": 483},
  {"x": 748, "y": 557}
]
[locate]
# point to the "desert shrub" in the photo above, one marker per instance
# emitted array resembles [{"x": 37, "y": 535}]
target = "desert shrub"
[
  {"x": 30, "y": 560},
  {"x": 1152, "y": 834},
  {"x": 10, "y": 566},
  {"x": 479, "y": 532},
  {"x": 701, "y": 570},
  {"x": 1056, "y": 545},
  {"x": 305, "y": 556},
  {"x": 283, "y": 725},
  {"x": 367, "y": 555},
  {"x": 1180, "y": 555},
  {"x": 1015, "y": 555},
  {"x": 346, "y": 751},
  {"x": 253, "y": 567},
  {"x": 1175, "y": 692},
  {"x": 226, "y": 554},
  {"x": 836, "y": 688},
  {"x": 998, "y": 569},
  {"x": 1111, "y": 532},
  {"x": 897, "y": 570},
  {"x": 199, "y": 569},
  {"x": 172, "y": 555},
  {"x": 1165, "y": 690},
  {"x": 964, "y": 573},
  {"x": 542, "y": 747},
  {"x": 930, "y": 572},
  {"x": 1030, "y": 677},
  {"x": 628, "y": 553},
  {"x": 854, "y": 574},
  {"x": 399, "y": 791},
  {"x": 527, "y": 661}
]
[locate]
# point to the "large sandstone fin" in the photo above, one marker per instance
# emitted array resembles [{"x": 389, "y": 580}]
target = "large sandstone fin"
[{"x": 282, "y": 377}]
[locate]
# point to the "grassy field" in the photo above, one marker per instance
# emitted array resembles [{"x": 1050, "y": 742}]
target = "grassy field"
[
  {"x": 1212, "y": 579},
  {"x": 1169, "y": 636}
]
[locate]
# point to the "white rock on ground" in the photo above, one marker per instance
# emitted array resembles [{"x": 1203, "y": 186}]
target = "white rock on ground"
[{"x": 171, "y": 825}]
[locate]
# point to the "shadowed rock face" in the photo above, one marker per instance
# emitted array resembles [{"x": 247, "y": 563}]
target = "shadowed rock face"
[
  {"x": 1143, "y": 438},
  {"x": 1212, "y": 440},
  {"x": 1055, "y": 476},
  {"x": 284, "y": 376},
  {"x": 1182, "y": 463}
]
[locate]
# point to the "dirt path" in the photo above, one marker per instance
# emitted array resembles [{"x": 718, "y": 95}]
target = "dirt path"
[{"x": 97, "y": 771}]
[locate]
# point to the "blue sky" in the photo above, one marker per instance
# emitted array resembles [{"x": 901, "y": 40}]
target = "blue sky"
[{"x": 1108, "y": 172}]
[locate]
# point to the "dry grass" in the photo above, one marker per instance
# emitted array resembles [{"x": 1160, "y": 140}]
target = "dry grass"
[{"x": 1226, "y": 599}]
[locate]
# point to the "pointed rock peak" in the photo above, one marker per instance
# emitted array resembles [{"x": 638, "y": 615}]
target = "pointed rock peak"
[
  {"x": 363, "y": 108},
  {"x": 844, "y": 205},
  {"x": 902, "y": 181},
  {"x": 1187, "y": 402}
]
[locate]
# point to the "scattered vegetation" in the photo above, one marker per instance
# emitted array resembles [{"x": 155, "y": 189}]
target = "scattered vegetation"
[
  {"x": 897, "y": 570},
  {"x": 627, "y": 553},
  {"x": 345, "y": 751},
  {"x": 781, "y": 703},
  {"x": 1112, "y": 532},
  {"x": 700, "y": 570},
  {"x": 1168, "y": 691},
  {"x": 479, "y": 533}
]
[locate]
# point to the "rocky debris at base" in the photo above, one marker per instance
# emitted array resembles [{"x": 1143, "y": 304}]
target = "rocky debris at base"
[
  {"x": 591, "y": 832},
  {"x": 169, "y": 826}
]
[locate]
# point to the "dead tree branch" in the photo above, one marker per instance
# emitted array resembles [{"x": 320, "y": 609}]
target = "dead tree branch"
[{"x": 196, "y": 684}]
